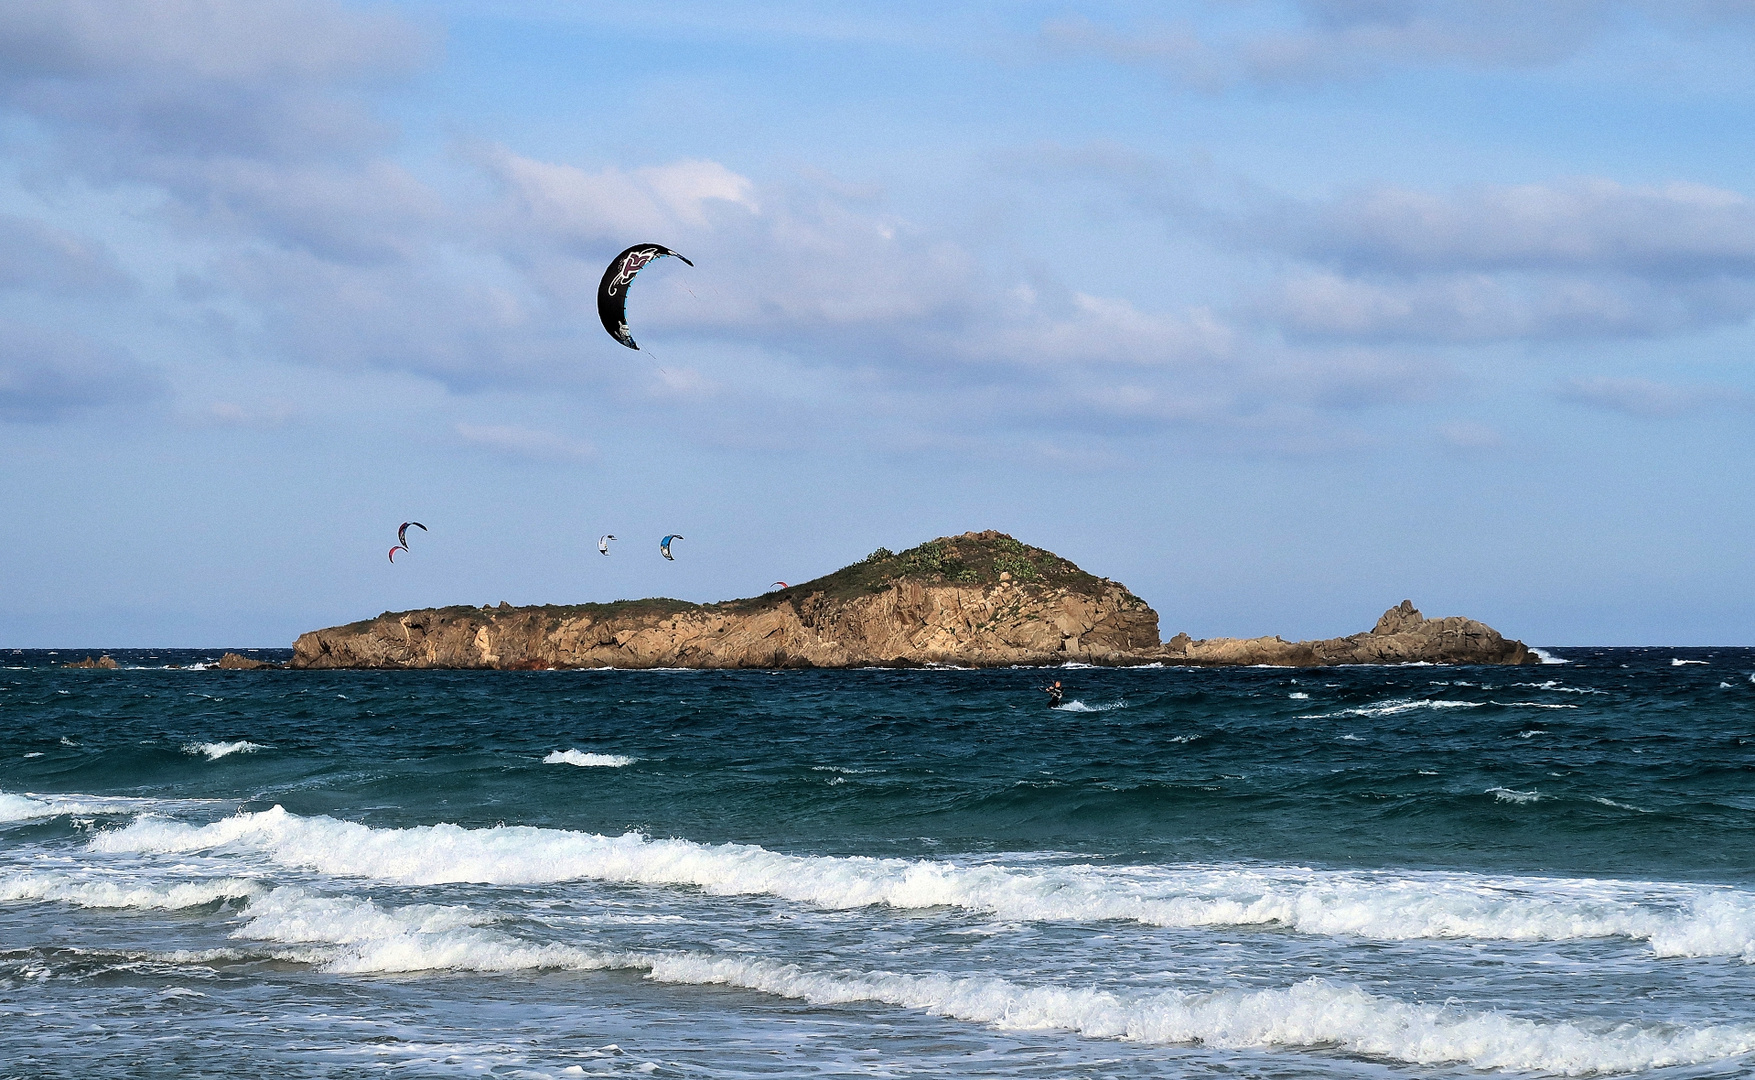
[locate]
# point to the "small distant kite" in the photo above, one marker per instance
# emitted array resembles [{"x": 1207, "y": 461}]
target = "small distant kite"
[
  {"x": 612, "y": 292},
  {"x": 394, "y": 550},
  {"x": 783, "y": 585},
  {"x": 664, "y": 545},
  {"x": 402, "y": 533},
  {"x": 603, "y": 543}
]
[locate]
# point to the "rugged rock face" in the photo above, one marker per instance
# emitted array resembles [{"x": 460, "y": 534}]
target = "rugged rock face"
[
  {"x": 979, "y": 599},
  {"x": 975, "y": 600},
  {"x": 234, "y": 662},
  {"x": 1401, "y": 636},
  {"x": 106, "y": 662}
]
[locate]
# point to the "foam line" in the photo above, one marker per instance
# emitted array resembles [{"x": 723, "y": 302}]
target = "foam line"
[
  {"x": 1677, "y": 920},
  {"x": 584, "y": 760},
  {"x": 363, "y": 938},
  {"x": 217, "y": 750},
  {"x": 110, "y": 892}
]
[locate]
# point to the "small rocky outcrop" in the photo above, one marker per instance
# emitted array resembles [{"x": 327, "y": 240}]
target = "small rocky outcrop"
[
  {"x": 233, "y": 662},
  {"x": 979, "y": 600},
  {"x": 1401, "y": 636},
  {"x": 105, "y": 662}
]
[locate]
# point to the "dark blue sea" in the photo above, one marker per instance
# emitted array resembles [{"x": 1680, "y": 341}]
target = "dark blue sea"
[{"x": 1352, "y": 872}]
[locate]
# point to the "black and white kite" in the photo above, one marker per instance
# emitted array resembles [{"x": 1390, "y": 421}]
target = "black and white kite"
[
  {"x": 603, "y": 543},
  {"x": 612, "y": 293},
  {"x": 402, "y": 533}
]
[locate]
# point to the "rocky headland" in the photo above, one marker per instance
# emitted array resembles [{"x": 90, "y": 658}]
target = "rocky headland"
[{"x": 975, "y": 600}]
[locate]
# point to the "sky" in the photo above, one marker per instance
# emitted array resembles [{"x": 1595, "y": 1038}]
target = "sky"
[{"x": 1277, "y": 312}]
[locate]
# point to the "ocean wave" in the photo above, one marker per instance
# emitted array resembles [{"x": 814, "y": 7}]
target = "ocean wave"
[
  {"x": 1555, "y": 685},
  {"x": 347, "y": 935},
  {"x": 32, "y": 807},
  {"x": 584, "y": 760},
  {"x": 1547, "y": 657},
  {"x": 217, "y": 750},
  {"x": 1676, "y": 920},
  {"x": 1076, "y": 705},
  {"x": 1685, "y": 663},
  {"x": 1391, "y": 708},
  {"x": 107, "y": 891},
  {"x": 1505, "y": 794}
]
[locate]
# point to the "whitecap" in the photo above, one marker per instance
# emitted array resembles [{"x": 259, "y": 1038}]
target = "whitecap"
[
  {"x": 1683, "y": 663},
  {"x": 98, "y": 890},
  {"x": 343, "y": 934},
  {"x": 584, "y": 760},
  {"x": 1547, "y": 657},
  {"x": 1298, "y": 695},
  {"x": 1078, "y": 706},
  {"x": 1555, "y": 685},
  {"x": 1504, "y": 794},
  {"x": 1386, "y": 905},
  {"x": 217, "y": 750},
  {"x": 1391, "y": 708}
]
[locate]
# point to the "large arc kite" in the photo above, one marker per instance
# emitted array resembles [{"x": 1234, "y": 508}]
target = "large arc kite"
[{"x": 612, "y": 292}]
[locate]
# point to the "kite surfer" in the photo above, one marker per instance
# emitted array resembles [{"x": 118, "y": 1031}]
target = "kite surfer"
[{"x": 1054, "y": 694}]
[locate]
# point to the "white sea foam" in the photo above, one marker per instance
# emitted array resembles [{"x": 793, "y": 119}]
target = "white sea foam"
[
  {"x": 1547, "y": 657},
  {"x": 1678, "y": 920},
  {"x": 217, "y": 750},
  {"x": 584, "y": 760},
  {"x": 1298, "y": 695},
  {"x": 112, "y": 891},
  {"x": 1684, "y": 663},
  {"x": 31, "y": 807},
  {"x": 1558, "y": 687},
  {"x": 1392, "y": 707},
  {"x": 1078, "y": 706},
  {"x": 348, "y": 935},
  {"x": 1505, "y": 794}
]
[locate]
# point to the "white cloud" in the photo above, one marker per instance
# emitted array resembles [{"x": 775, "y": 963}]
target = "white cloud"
[
  {"x": 48, "y": 375},
  {"x": 1649, "y": 400},
  {"x": 1222, "y": 44},
  {"x": 525, "y": 442}
]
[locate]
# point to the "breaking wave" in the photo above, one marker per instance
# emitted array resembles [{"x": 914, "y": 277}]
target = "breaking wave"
[
  {"x": 342, "y": 934},
  {"x": 1676, "y": 920},
  {"x": 217, "y": 750},
  {"x": 584, "y": 760}
]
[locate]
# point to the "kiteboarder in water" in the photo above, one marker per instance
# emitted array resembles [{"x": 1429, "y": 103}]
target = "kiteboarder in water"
[
  {"x": 612, "y": 292},
  {"x": 1054, "y": 694}
]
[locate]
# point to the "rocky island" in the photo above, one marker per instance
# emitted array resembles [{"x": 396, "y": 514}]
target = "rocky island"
[{"x": 976, "y": 600}]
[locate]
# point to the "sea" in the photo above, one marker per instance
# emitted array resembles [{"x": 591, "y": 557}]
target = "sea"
[{"x": 1385, "y": 872}]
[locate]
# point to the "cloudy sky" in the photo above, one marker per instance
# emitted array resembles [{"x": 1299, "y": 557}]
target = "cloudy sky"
[{"x": 1278, "y": 312}]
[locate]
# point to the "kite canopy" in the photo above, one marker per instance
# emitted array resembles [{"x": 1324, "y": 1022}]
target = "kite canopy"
[
  {"x": 664, "y": 545},
  {"x": 394, "y": 550},
  {"x": 402, "y": 533},
  {"x": 612, "y": 292},
  {"x": 603, "y": 543}
]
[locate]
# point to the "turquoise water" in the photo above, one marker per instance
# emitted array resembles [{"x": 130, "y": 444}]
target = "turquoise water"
[{"x": 1419, "y": 871}]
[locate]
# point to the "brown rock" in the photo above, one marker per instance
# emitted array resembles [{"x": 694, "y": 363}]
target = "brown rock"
[
  {"x": 104, "y": 662},
  {"x": 981, "y": 599},
  {"x": 1401, "y": 636},
  {"x": 943, "y": 602},
  {"x": 233, "y": 662}
]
